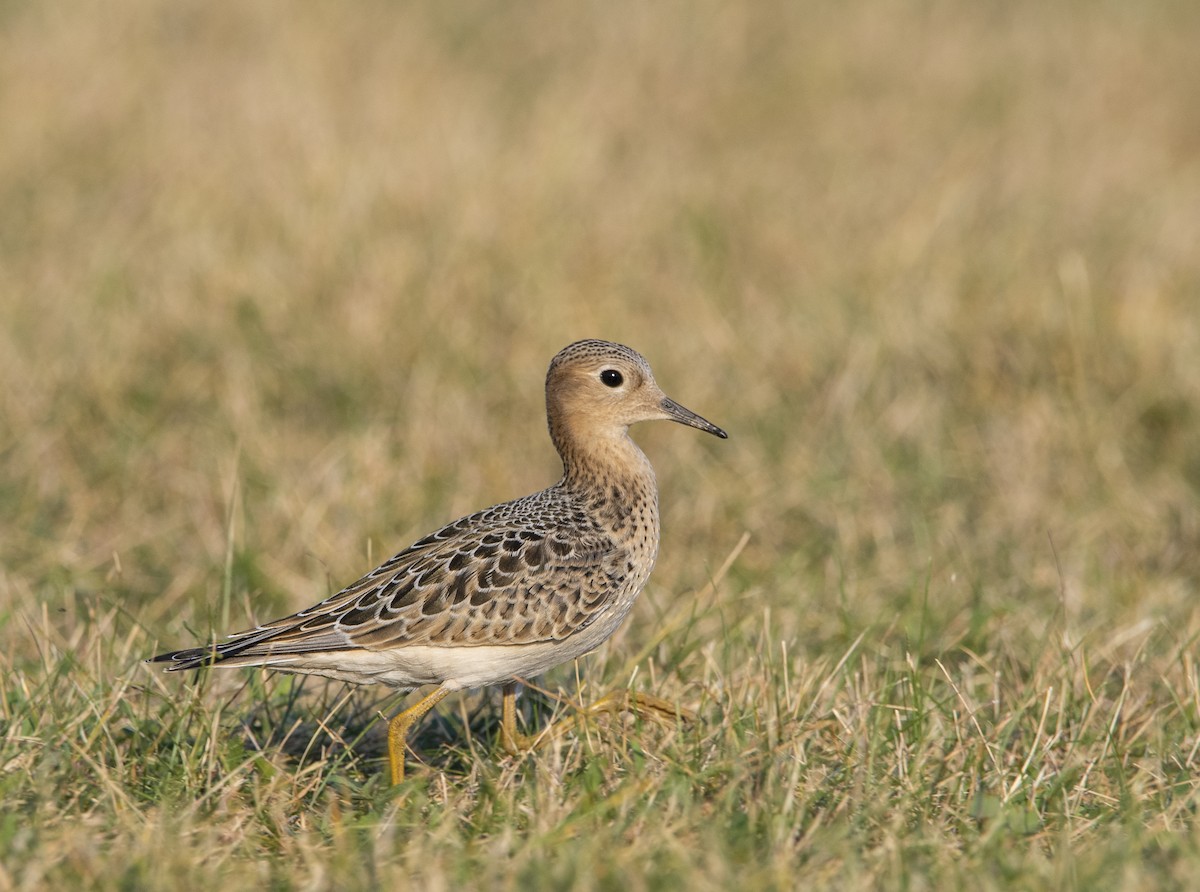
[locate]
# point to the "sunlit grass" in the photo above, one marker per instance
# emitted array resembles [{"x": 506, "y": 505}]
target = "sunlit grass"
[{"x": 278, "y": 286}]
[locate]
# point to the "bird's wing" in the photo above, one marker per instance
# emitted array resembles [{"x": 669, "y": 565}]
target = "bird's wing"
[{"x": 496, "y": 577}]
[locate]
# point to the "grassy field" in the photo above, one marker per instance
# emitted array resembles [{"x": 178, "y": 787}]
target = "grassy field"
[{"x": 278, "y": 286}]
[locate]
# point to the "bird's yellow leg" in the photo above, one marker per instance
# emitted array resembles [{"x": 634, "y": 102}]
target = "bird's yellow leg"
[
  {"x": 644, "y": 705},
  {"x": 615, "y": 703},
  {"x": 513, "y": 741},
  {"x": 398, "y": 729}
]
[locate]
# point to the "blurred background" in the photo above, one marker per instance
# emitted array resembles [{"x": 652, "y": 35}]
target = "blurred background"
[{"x": 279, "y": 283}]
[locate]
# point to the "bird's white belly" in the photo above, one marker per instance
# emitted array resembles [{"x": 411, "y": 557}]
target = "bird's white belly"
[{"x": 421, "y": 664}]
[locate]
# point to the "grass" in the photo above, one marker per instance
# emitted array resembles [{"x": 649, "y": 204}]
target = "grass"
[{"x": 280, "y": 282}]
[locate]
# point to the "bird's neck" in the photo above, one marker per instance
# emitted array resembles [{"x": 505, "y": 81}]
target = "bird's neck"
[{"x": 607, "y": 468}]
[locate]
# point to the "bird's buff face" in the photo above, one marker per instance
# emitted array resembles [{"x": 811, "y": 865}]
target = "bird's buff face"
[{"x": 609, "y": 392}]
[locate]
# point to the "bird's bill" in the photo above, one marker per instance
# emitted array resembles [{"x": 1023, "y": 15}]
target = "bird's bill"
[{"x": 676, "y": 412}]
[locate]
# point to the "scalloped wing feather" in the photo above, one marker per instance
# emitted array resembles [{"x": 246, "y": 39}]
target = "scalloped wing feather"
[{"x": 495, "y": 577}]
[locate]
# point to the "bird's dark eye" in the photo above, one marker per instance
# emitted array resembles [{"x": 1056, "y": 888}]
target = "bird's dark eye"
[{"x": 611, "y": 378}]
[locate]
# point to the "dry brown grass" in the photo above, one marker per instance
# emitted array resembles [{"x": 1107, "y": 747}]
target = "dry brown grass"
[{"x": 278, "y": 284}]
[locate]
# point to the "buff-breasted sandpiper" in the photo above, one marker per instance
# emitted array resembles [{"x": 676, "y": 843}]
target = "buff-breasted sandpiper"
[{"x": 511, "y": 591}]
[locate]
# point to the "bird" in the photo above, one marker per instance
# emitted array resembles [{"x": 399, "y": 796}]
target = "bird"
[{"x": 506, "y": 593}]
